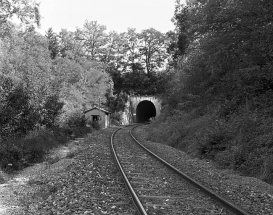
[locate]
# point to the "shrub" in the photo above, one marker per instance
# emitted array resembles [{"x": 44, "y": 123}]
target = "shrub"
[
  {"x": 75, "y": 125},
  {"x": 267, "y": 170},
  {"x": 2, "y": 177},
  {"x": 51, "y": 110},
  {"x": 215, "y": 143},
  {"x": 225, "y": 158},
  {"x": 244, "y": 142},
  {"x": 35, "y": 148},
  {"x": 172, "y": 131},
  {"x": 81, "y": 131},
  {"x": 76, "y": 119},
  {"x": 10, "y": 157},
  {"x": 96, "y": 125},
  {"x": 19, "y": 153},
  {"x": 17, "y": 115},
  {"x": 62, "y": 135},
  {"x": 116, "y": 118}
]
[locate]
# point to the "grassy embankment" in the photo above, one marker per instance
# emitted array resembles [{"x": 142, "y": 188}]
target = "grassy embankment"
[
  {"x": 19, "y": 153},
  {"x": 243, "y": 143}
]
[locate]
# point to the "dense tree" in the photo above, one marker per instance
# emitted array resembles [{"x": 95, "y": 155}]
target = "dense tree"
[
  {"x": 51, "y": 110},
  {"x": 53, "y": 43},
  {"x": 44, "y": 80},
  {"x": 220, "y": 94},
  {"x": 152, "y": 49},
  {"x": 94, "y": 82},
  {"x": 132, "y": 55},
  {"x": 222, "y": 57},
  {"x": 93, "y": 38},
  {"x": 81, "y": 83},
  {"x": 66, "y": 71},
  {"x": 114, "y": 50},
  {"x": 75, "y": 70},
  {"x": 17, "y": 115},
  {"x": 70, "y": 47},
  {"x": 26, "y": 57},
  {"x": 27, "y": 11}
]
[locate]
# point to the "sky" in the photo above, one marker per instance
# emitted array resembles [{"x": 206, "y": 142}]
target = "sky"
[{"x": 117, "y": 15}]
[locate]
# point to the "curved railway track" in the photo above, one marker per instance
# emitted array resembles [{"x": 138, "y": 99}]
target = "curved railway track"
[{"x": 156, "y": 187}]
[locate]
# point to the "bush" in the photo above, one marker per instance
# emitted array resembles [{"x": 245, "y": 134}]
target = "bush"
[
  {"x": 75, "y": 125},
  {"x": 81, "y": 131},
  {"x": 18, "y": 115},
  {"x": 62, "y": 135},
  {"x": 216, "y": 142},
  {"x": 10, "y": 157},
  {"x": 76, "y": 119},
  {"x": 225, "y": 159},
  {"x": 95, "y": 125},
  {"x": 51, "y": 110},
  {"x": 267, "y": 170},
  {"x": 19, "y": 153},
  {"x": 116, "y": 118},
  {"x": 244, "y": 142}
]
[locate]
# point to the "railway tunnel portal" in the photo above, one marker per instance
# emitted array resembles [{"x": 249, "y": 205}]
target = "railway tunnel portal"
[
  {"x": 145, "y": 111},
  {"x": 140, "y": 109}
]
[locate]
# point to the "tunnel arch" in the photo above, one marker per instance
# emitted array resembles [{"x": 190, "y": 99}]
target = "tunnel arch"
[{"x": 144, "y": 111}]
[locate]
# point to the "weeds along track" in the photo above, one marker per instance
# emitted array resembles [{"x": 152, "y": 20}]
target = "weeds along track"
[{"x": 158, "y": 188}]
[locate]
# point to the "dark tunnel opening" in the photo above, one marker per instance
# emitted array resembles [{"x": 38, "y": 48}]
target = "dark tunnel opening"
[{"x": 145, "y": 110}]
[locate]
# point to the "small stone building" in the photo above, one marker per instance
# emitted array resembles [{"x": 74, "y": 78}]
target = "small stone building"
[{"x": 100, "y": 115}]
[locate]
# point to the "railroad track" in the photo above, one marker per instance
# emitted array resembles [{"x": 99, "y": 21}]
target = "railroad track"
[{"x": 156, "y": 187}]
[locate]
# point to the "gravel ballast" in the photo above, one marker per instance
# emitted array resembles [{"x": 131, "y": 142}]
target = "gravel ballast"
[
  {"x": 161, "y": 191},
  {"x": 89, "y": 185},
  {"x": 252, "y": 194},
  {"x": 88, "y": 182}
]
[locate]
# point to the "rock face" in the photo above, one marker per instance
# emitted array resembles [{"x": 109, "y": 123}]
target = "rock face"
[{"x": 141, "y": 109}]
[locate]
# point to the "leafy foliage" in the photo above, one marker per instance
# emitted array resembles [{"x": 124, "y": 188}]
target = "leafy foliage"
[
  {"x": 43, "y": 80},
  {"x": 53, "y": 45},
  {"x": 93, "y": 38},
  {"x": 27, "y": 11},
  {"x": 17, "y": 115},
  {"x": 221, "y": 88},
  {"x": 70, "y": 47},
  {"x": 218, "y": 62},
  {"x": 51, "y": 110},
  {"x": 47, "y": 81},
  {"x": 152, "y": 49}
]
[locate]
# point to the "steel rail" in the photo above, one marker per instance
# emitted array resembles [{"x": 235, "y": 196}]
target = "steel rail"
[
  {"x": 136, "y": 200},
  {"x": 234, "y": 209}
]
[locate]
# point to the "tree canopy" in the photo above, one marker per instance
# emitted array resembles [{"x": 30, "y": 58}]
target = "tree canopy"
[
  {"x": 65, "y": 71},
  {"x": 27, "y": 11},
  {"x": 223, "y": 51}
]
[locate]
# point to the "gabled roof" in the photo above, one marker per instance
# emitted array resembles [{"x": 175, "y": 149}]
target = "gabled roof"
[{"x": 101, "y": 109}]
